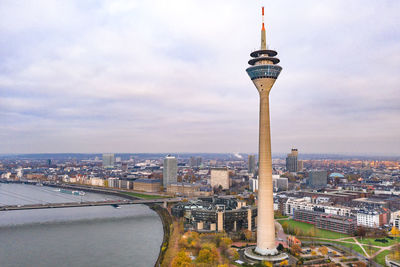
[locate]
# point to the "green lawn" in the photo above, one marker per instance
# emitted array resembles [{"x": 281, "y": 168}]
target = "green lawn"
[
  {"x": 381, "y": 257},
  {"x": 305, "y": 228},
  {"x": 354, "y": 246},
  {"x": 371, "y": 241},
  {"x": 144, "y": 196},
  {"x": 370, "y": 250}
]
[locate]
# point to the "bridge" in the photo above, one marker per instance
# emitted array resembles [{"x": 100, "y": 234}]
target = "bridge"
[{"x": 115, "y": 203}]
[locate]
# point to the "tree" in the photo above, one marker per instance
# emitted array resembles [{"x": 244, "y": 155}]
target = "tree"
[
  {"x": 248, "y": 234},
  {"x": 361, "y": 231},
  {"x": 323, "y": 250},
  {"x": 284, "y": 263},
  {"x": 182, "y": 259},
  {"x": 285, "y": 226},
  {"x": 267, "y": 263},
  {"x": 395, "y": 231},
  {"x": 234, "y": 254},
  {"x": 395, "y": 252},
  {"x": 296, "y": 249},
  {"x": 207, "y": 255}
]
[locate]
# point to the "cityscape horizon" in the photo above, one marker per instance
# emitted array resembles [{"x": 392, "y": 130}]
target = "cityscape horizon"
[{"x": 131, "y": 133}]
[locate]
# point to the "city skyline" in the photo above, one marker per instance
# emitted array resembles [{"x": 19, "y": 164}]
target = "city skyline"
[{"x": 132, "y": 77}]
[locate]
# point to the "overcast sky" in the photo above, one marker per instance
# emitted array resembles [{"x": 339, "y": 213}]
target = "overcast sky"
[{"x": 169, "y": 76}]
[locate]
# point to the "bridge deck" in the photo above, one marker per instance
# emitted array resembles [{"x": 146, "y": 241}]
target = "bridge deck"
[{"x": 85, "y": 204}]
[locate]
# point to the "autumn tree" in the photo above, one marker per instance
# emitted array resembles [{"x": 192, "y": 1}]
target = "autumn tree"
[
  {"x": 323, "y": 250},
  {"x": 295, "y": 249},
  {"x": 207, "y": 255},
  {"x": 361, "y": 231},
  {"x": 395, "y": 231},
  {"x": 267, "y": 263},
  {"x": 182, "y": 259},
  {"x": 284, "y": 263}
]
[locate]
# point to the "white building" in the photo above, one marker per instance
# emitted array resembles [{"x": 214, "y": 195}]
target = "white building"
[
  {"x": 396, "y": 223},
  {"x": 113, "y": 182},
  {"x": 280, "y": 183},
  {"x": 108, "y": 160},
  {"x": 96, "y": 181},
  {"x": 220, "y": 177},
  {"x": 370, "y": 218},
  {"x": 253, "y": 184},
  {"x": 305, "y": 204}
]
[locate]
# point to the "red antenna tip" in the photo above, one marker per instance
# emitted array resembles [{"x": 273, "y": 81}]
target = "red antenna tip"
[{"x": 263, "y": 11}]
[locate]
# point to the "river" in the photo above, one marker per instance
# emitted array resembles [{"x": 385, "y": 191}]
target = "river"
[{"x": 84, "y": 236}]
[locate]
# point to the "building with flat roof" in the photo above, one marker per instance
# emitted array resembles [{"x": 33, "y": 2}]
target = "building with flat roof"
[
  {"x": 336, "y": 223},
  {"x": 108, "y": 160},
  {"x": 317, "y": 179},
  {"x": 213, "y": 214},
  {"x": 147, "y": 185},
  {"x": 187, "y": 189},
  {"x": 220, "y": 177}
]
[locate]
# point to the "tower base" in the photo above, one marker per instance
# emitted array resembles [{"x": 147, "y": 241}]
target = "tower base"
[
  {"x": 266, "y": 252},
  {"x": 251, "y": 253}
]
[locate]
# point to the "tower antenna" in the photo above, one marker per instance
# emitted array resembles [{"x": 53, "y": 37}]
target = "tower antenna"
[{"x": 263, "y": 39}]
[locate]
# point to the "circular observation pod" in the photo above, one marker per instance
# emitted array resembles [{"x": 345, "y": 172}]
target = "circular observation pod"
[{"x": 274, "y": 60}]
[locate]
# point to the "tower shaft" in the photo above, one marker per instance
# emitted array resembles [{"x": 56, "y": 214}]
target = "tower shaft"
[{"x": 265, "y": 213}]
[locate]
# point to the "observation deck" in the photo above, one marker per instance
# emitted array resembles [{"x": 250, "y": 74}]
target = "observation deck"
[{"x": 264, "y": 65}]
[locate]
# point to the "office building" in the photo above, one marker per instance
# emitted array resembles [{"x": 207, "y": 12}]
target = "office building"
[
  {"x": 147, "y": 185},
  {"x": 211, "y": 214},
  {"x": 336, "y": 223},
  {"x": 291, "y": 161},
  {"x": 195, "y": 162},
  {"x": 317, "y": 179},
  {"x": 280, "y": 183},
  {"x": 251, "y": 164},
  {"x": 220, "y": 177},
  {"x": 108, "y": 160},
  {"x": 170, "y": 170},
  {"x": 190, "y": 190}
]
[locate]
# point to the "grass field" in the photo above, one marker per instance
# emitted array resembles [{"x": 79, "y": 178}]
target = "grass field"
[
  {"x": 370, "y": 250},
  {"x": 371, "y": 241},
  {"x": 144, "y": 196},
  {"x": 353, "y": 246},
  {"x": 305, "y": 228},
  {"x": 381, "y": 257}
]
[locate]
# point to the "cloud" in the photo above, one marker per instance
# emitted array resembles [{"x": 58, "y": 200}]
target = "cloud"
[{"x": 157, "y": 76}]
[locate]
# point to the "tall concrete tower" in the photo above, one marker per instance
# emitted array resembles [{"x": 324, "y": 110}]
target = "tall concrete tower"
[{"x": 264, "y": 72}]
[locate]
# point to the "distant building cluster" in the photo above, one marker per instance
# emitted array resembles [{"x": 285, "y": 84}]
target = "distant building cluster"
[{"x": 338, "y": 195}]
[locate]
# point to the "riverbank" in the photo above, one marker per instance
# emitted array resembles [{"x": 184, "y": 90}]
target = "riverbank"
[{"x": 167, "y": 222}]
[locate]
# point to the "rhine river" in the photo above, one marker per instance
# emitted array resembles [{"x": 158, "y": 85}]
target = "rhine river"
[{"x": 84, "y": 236}]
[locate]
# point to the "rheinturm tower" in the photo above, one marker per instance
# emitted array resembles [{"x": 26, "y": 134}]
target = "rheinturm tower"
[{"x": 263, "y": 72}]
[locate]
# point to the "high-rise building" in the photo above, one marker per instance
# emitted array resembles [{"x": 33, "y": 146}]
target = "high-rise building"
[
  {"x": 263, "y": 72},
  {"x": 291, "y": 161},
  {"x": 251, "y": 164},
  {"x": 300, "y": 165},
  {"x": 108, "y": 160},
  {"x": 317, "y": 179},
  {"x": 195, "y": 162},
  {"x": 170, "y": 170},
  {"x": 220, "y": 177}
]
